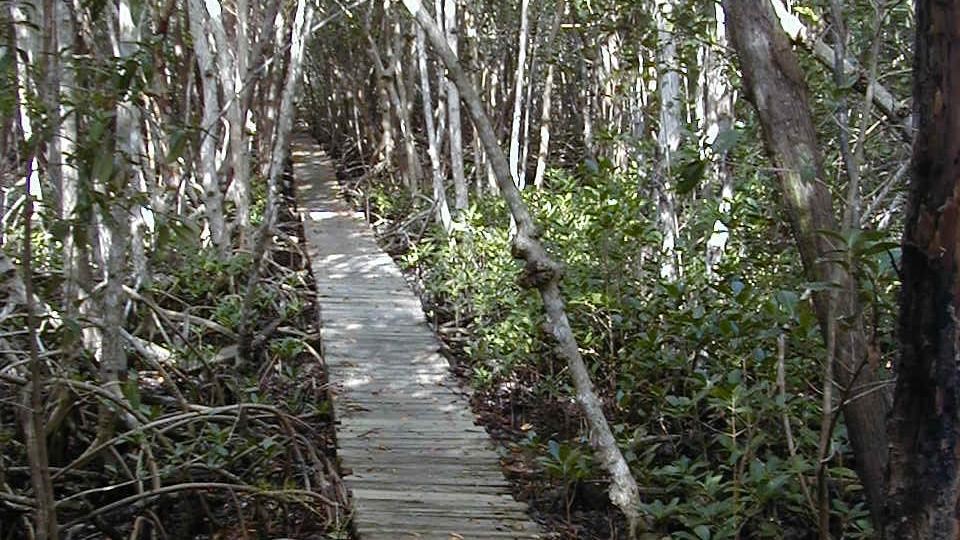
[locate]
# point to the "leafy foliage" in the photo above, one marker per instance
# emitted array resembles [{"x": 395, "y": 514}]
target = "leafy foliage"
[{"x": 688, "y": 369}]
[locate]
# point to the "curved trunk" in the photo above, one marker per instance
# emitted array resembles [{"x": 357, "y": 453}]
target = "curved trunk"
[
  {"x": 543, "y": 273},
  {"x": 774, "y": 83},
  {"x": 924, "y": 477}
]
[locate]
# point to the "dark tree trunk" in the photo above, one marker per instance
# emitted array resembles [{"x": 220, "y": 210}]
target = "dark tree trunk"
[
  {"x": 774, "y": 83},
  {"x": 924, "y": 488}
]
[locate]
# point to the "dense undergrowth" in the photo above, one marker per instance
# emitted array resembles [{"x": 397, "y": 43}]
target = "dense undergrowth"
[
  {"x": 199, "y": 444},
  {"x": 712, "y": 383}
]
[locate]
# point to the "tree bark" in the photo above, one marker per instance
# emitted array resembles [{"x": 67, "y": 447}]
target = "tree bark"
[
  {"x": 212, "y": 197},
  {"x": 924, "y": 478},
  {"x": 718, "y": 101},
  {"x": 460, "y": 192},
  {"x": 543, "y": 152},
  {"x": 774, "y": 83},
  {"x": 542, "y": 272},
  {"x": 668, "y": 138},
  {"x": 518, "y": 81},
  {"x": 278, "y": 158},
  {"x": 439, "y": 192},
  {"x": 227, "y": 60}
]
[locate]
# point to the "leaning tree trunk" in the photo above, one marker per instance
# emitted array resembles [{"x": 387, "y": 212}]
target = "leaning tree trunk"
[
  {"x": 774, "y": 83},
  {"x": 542, "y": 272},
  {"x": 924, "y": 478},
  {"x": 278, "y": 157}
]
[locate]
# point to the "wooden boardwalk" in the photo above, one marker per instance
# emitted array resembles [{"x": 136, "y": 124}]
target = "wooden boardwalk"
[{"x": 415, "y": 461}]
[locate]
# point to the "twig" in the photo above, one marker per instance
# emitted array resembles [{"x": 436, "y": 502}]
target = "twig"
[
  {"x": 787, "y": 429},
  {"x": 206, "y": 323}
]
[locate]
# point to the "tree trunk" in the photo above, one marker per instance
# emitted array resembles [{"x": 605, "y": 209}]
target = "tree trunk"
[
  {"x": 668, "y": 138},
  {"x": 543, "y": 273},
  {"x": 228, "y": 60},
  {"x": 923, "y": 493},
  {"x": 543, "y": 150},
  {"x": 460, "y": 192},
  {"x": 212, "y": 198},
  {"x": 392, "y": 84},
  {"x": 544, "y": 146},
  {"x": 26, "y": 20},
  {"x": 585, "y": 71},
  {"x": 717, "y": 122},
  {"x": 774, "y": 83},
  {"x": 64, "y": 144},
  {"x": 518, "y": 81},
  {"x": 439, "y": 192},
  {"x": 278, "y": 158}
]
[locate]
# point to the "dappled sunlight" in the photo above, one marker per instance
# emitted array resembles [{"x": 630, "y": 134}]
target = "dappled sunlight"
[{"x": 406, "y": 435}]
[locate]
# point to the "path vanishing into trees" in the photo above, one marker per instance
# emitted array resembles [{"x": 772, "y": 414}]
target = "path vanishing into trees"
[{"x": 417, "y": 464}]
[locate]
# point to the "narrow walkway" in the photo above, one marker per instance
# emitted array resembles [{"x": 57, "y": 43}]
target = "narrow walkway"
[{"x": 416, "y": 463}]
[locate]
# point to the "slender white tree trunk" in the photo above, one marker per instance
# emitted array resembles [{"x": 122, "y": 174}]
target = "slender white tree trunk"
[
  {"x": 544, "y": 149},
  {"x": 209, "y": 180},
  {"x": 227, "y": 56},
  {"x": 518, "y": 81},
  {"x": 479, "y": 157},
  {"x": 718, "y": 97},
  {"x": 668, "y": 139},
  {"x": 398, "y": 95},
  {"x": 115, "y": 231},
  {"x": 26, "y": 20},
  {"x": 586, "y": 74},
  {"x": 393, "y": 88},
  {"x": 64, "y": 144},
  {"x": 439, "y": 193},
  {"x": 303, "y": 17},
  {"x": 460, "y": 192}
]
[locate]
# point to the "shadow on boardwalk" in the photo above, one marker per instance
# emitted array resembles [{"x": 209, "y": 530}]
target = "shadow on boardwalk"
[{"x": 415, "y": 461}]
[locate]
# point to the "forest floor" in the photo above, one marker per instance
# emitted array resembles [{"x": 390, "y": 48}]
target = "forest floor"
[
  {"x": 208, "y": 447},
  {"x": 508, "y": 413}
]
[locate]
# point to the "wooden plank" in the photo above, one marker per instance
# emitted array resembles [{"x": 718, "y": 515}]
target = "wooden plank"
[{"x": 415, "y": 460}]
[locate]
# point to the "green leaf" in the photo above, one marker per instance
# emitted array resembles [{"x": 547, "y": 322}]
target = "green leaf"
[
  {"x": 691, "y": 173},
  {"x": 553, "y": 448},
  {"x": 726, "y": 140},
  {"x": 178, "y": 142},
  {"x": 103, "y": 167}
]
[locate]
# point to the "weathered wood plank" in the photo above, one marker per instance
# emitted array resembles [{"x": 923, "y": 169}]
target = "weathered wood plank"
[{"x": 416, "y": 462}]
